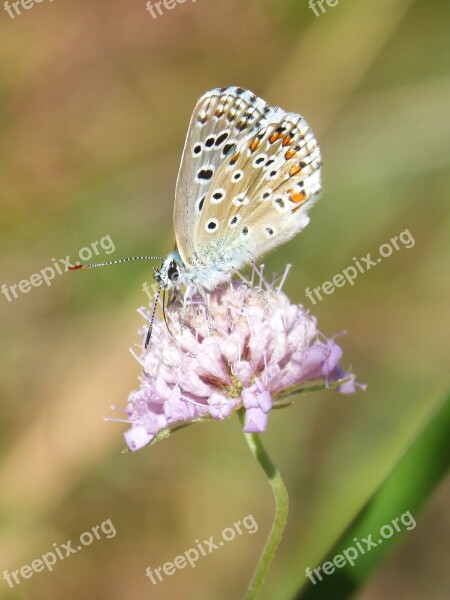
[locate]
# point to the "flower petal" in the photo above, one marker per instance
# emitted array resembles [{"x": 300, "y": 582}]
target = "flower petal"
[
  {"x": 137, "y": 437},
  {"x": 255, "y": 421}
]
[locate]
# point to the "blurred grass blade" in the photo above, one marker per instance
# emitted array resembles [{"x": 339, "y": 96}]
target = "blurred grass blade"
[{"x": 407, "y": 487}]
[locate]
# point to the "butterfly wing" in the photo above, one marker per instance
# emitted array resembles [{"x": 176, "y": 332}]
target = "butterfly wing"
[
  {"x": 221, "y": 118},
  {"x": 259, "y": 196}
]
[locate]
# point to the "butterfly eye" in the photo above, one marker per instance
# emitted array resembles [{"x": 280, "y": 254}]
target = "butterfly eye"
[{"x": 173, "y": 272}]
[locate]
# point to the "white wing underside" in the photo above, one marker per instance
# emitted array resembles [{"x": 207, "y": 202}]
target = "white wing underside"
[{"x": 248, "y": 175}]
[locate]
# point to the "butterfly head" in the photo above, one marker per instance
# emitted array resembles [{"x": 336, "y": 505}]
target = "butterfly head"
[{"x": 170, "y": 274}]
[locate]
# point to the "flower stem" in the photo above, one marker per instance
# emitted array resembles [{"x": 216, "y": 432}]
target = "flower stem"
[{"x": 281, "y": 510}]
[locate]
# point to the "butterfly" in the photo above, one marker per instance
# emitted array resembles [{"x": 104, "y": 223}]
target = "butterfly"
[{"x": 249, "y": 174}]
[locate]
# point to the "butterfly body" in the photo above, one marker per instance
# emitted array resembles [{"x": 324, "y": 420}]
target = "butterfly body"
[
  {"x": 173, "y": 272},
  {"x": 248, "y": 175}
]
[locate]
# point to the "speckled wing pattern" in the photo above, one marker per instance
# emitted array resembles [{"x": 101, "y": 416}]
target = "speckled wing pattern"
[{"x": 248, "y": 175}]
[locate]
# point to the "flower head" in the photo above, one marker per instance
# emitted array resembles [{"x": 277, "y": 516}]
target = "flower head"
[{"x": 249, "y": 347}]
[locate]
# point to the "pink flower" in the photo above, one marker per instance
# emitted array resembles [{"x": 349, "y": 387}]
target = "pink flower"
[
  {"x": 257, "y": 402},
  {"x": 244, "y": 351}
]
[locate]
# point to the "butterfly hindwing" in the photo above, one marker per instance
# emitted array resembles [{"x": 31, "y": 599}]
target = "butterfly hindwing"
[
  {"x": 221, "y": 119},
  {"x": 259, "y": 196}
]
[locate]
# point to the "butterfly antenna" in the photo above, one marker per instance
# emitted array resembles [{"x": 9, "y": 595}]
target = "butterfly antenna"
[
  {"x": 150, "y": 329},
  {"x": 114, "y": 262}
]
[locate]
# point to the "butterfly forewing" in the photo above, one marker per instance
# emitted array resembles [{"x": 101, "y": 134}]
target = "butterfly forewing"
[{"x": 221, "y": 119}]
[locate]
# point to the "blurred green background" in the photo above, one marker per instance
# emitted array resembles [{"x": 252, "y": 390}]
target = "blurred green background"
[{"x": 95, "y": 102}]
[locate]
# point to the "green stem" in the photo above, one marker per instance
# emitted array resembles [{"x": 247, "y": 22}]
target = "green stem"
[{"x": 281, "y": 510}]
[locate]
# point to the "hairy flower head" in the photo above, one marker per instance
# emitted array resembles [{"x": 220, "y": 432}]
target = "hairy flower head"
[{"x": 248, "y": 347}]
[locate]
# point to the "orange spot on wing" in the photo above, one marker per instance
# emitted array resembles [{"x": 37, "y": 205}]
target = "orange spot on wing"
[
  {"x": 274, "y": 137},
  {"x": 254, "y": 145},
  {"x": 297, "y": 198},
  {"x": 295, "y": 170},
  {"x": 287, "y": 140},
  {"x": 290, "y": 154},
  {"x": 233, "y": 160}
]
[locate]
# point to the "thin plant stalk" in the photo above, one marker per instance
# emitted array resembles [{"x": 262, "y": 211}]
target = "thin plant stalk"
[{"x": 281, "y": 510}]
